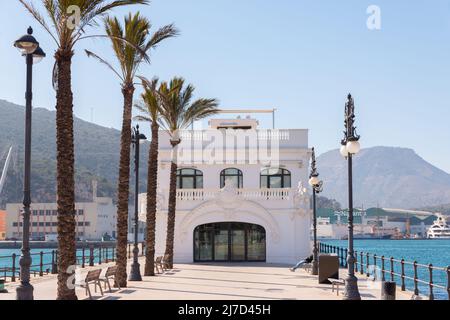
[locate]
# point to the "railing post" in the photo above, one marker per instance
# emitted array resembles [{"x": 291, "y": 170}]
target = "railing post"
[
  {"x": 403, "y": 274},
  {"x": 13, "y": 276},
  {"x": 100, "y": 254},
  {"x": 416, "y": 284},
  {"x": 53, "y": 262},
  {"x": 430, "y": 269},
  {"x": 41, "y": 264},
  {"x": 107, "y": 257},
  {"x": 383, "y": 278},
  {"x": 448, "y": 282},
  {"x": 392, "y": 269},
  {"x": 56, "y": 260},
  {"x": 83, "y": 257},
  {"x": 367, "y": 264},
  {"x": 129, "y": 251},
  {"x": 375, "y": 267},
  {"x": 143, "y": 249},
  {"x": 356, "y": 261},
  {"x": 344, "y": 258},
  {"x": 362, "y": 264},
  {"x": 91, "y": 256},
  {"x": 113, "y": 254}
]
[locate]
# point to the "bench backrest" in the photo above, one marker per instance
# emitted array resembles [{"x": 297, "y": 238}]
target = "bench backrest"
[
  {"x": 111, "y": 271},
  {"x": 93, "y": 275}
]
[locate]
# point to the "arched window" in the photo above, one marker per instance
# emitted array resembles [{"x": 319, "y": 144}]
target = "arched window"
[
  {"x": 189, "y": 179},
  {"x": 233, "y": 175},
  {"x": 275, "y": 178}
]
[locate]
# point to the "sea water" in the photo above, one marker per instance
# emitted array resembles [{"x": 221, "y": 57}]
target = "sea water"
[{"x": 436, "y": 252}]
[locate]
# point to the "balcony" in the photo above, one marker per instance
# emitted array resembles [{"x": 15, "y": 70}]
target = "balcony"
[{"x": 188, "y": 199}]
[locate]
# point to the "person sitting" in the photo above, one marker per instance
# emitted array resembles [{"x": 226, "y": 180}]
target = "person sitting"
[{"x": 302, "y": 262}]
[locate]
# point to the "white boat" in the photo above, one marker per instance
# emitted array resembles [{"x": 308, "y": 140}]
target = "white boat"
[{"x": 440, "y": 229}]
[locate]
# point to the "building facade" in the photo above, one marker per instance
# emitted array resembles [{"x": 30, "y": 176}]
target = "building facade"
[
  {"x": 93, "y": 219},
  {"x": 2, "y": 225},
  {"x": 240, "y": 194}
]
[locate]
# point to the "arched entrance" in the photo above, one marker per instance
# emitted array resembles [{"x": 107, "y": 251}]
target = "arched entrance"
[{"x": 229, "y": 242}]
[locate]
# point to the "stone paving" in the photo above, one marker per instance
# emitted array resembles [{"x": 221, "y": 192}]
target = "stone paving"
[{"x": 215, "y": 282}]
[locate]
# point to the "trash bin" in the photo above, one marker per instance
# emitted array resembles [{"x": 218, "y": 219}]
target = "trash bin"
[
  {"x": 328, "y": 267},
  {"x": 2, "y": 287},
  {"x": 388, "y": 290}
]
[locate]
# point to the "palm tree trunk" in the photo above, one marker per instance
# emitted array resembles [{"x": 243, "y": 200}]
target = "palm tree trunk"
[
  {"x": 123, "y": 187},
  {"x": 152, "y": 182},
  {"x": 65, "y": 176},
  {"x": 172, "y": 207}
]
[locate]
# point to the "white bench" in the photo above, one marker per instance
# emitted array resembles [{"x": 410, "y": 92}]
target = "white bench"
[{"x": 336, "y": 283}]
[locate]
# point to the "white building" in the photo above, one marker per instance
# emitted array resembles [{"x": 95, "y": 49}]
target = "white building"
[
  {"x": 240, "y": 194},
  {"x": 94, "y": 219}
]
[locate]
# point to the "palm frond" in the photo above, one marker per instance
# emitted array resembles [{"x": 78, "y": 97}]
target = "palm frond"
[{"x": 91, "y": 54}]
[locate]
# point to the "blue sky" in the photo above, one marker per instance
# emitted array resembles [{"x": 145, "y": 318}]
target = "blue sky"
[{"x": 302, "y": 57}]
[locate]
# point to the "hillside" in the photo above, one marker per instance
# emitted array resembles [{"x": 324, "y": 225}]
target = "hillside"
[
  {"x": 385, "y": 176},
  {"x": 96, "y": 150}
]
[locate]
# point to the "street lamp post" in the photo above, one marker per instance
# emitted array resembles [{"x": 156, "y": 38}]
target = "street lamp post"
[
  {"x": 29, "y": 47},
  {"x": 350, "y": 146},
  {"x": 135, "y": 274},
  {"x": 317, "y": 187}
]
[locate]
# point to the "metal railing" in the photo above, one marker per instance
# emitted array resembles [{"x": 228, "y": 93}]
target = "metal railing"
[
  {"x": 412, "y": 275},
  {"x": 45, "y": 262}
]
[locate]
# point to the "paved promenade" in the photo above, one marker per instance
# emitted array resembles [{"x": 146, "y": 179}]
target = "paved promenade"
[{"x": 215, "y": 282}]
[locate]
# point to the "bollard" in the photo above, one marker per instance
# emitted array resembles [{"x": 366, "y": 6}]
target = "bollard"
[
  {"x": 41, "y": 264},
  {"x": 13, "y": 276},
  {"x": 91, "y": 256},
  {"x": 388, "y": 290}
]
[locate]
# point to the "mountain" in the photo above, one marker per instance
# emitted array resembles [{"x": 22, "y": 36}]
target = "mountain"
[
  {"x": 386, "y": 176},
  {"x": 96, "y": 155}
]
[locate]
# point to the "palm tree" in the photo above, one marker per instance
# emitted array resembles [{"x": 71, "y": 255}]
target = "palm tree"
[
  {"x": 178, "y": 113},
  {"x": 68, "y": 21},
  {"x": 150, "y": 109},
  {"x": 130, "y": 55}
]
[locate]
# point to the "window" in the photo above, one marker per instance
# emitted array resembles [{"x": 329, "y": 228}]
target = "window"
[
  {"x": 81, "y": 212},
  {"x": 275, "y": 178},
  {"x": 189, "y": 179},
  {"x": 48, "y": 212},
  {"x": 234, "y": 176},
  {"x": 54, "y": 212},
  {"x": 15, "y": 224},
  {"x": 41, "y": 212}
]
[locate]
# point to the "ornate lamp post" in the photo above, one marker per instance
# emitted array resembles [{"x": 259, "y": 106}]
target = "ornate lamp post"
[
  {"x": 137, "y": 138},
  {"x": 317, "y": 187},
  {"x": 30, "y": 49},
  {"x": 349, "y": 147}
]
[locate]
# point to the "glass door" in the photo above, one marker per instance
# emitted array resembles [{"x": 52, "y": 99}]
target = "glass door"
[{"x": 237, "y": 242}]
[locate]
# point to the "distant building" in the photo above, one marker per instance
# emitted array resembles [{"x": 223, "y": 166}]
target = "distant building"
[
  {"x": 2, "y": 225},
  {"x": 94, "y": 219}
]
